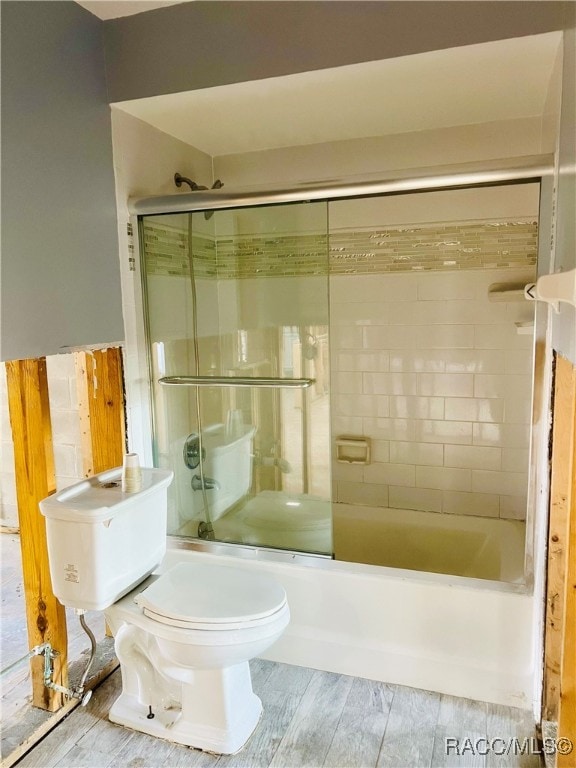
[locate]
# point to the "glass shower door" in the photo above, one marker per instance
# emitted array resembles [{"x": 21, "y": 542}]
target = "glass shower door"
[{"x": 237, "y": 315}]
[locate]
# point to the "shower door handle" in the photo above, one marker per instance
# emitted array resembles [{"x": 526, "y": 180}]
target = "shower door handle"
[{"x": 235, "y": 381}]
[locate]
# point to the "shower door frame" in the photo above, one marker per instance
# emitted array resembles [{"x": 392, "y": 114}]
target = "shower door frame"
[{"x": 531, "y": 169}]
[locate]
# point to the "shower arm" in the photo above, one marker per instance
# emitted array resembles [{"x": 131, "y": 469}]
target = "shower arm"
[{"x": 234, "y": 381}]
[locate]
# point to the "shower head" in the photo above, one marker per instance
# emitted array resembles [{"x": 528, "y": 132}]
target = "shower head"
[
  {"x": 217, "y": 185},
  {"x": 179, "y": 180}
]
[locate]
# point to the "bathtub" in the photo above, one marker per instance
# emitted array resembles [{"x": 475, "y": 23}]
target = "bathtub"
[
  {"x": 450, "y": 634},
  {"x": 461, "y": 545}
]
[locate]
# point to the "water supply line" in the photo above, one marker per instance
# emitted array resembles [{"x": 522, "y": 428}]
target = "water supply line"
[{"x": 49, "y": 653}]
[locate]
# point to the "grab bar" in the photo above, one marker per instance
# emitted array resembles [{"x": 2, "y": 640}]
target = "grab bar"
[{"x": 235, "y": 381}]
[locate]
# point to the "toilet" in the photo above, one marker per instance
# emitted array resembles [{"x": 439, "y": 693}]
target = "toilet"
[{"x": 183, "y": 636}]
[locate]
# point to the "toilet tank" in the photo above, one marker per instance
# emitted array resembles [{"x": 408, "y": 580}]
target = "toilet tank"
[{"x": 102, "y": 542}]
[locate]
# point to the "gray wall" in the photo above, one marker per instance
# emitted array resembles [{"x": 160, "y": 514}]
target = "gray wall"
[
  {"x": 202, "y": 44},
  {"x": 59, "y": 268}
]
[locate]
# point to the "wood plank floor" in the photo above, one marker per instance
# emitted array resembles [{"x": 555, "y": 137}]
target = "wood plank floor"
[{"x": 310, "y": 719}]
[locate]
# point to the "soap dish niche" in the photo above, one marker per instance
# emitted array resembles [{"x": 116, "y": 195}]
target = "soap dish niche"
[{"x": 353, "y": 450}]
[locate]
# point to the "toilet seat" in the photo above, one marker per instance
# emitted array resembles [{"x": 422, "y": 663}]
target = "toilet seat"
[{"x": 200, "y": 597}]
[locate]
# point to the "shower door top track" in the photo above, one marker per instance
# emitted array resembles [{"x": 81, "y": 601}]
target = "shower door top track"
[{"x": 521, "y": 170}]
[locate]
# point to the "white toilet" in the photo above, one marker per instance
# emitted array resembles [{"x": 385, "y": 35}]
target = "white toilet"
[{"x": 183, "y": 637}]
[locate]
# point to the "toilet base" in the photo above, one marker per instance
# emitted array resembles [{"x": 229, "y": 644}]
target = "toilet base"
[{"x": 219, "y": 712}]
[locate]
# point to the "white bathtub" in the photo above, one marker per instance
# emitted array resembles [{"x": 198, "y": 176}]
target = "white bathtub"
[
  {"x": 461, "y": 545},
  {"x": 460, "y": 636}
]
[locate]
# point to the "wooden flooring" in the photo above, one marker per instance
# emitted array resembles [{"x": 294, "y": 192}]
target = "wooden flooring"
[{"x": 310, "y": 719}]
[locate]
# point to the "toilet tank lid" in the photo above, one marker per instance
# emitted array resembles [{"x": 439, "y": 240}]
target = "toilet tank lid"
[{"x": 101, "y": 497}]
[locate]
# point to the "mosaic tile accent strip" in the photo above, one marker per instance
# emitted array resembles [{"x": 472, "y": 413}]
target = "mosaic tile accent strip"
[
  {"x": 484, "y": 245},
  {"x": 442, "y": 247},
  {"x": 166, "y": 251}
]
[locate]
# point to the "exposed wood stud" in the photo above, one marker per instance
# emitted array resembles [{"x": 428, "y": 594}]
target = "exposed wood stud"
[
  {"x": 101, "y": 403},
  {"x": 560, "y": 493},
  {"x": 567, "y": 713},
  {"x": 35, "y": 479}
]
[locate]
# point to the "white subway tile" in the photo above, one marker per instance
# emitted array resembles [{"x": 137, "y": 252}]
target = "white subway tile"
[
  {"x": 390, "y": 383},
  {"x": 444, "y": 478},
  {"x": 513, "y": 507},
  {"x": 360, "y": 405},
  {"x": 390, "y": 474},
  {"x": 346, "y": 337},
  {"x": 515, "y": 459},
  {"x": 464, "y": 503},
  {"x": 360, "y": 313},
  {"x": 502, "y": 336},
  {"x": 443, "y": 432},
  {"x": 519, "y": 361},
  {"x": 372, "y": 495},
  {"x": 416, "y": 407},
  {"x": 489, "y": 385},
  {"x": 503, "y": 435},
  {"x": 503, "y": 483},
  {"x": 472, "y": 457},
  {"x": 417, "y": 453},
  {"x": 379, "y": 288},
  {"x": 475, "y": 361},
  {"x": 474, "y": 409},
  {"x": 517, "y": 410},
  {"x": 390, "y": 429},
  {"x": 362, "y": 361},
  {"x": 425, "y": 499},
  {"x": 447, "y": 285},
  {"x": 446, "y": 384},
  {"x": 380, "y": 450},
  {"x": 418, "y": 312},
  {"x": 444, "y": 336},
  {"x": 347, "y": 425},
  {"x": 347, "y": 382},
  {"x": 350, "y": 473},
  {"x": 479, "y": 312},
  {"x": 417, "y": 360},
  {"x": 389, "y": 337}
]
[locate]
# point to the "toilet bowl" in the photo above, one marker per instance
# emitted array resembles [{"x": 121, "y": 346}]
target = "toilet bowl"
[
  {"x": 184, "y": 640},
  {"x": 183, "y": 637}
]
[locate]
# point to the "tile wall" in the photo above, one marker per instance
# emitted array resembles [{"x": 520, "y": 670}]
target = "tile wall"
[
  {"x": 423, "y": 363},
  {"x": 438, "y": 377}
]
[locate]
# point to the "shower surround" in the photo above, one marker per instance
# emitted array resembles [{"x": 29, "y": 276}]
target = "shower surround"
[{"x": 423, "y": 362}]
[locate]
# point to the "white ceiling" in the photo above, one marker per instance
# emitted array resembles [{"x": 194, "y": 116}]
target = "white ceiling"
[
  {"x": 113, "y": 9},
  {"x": 461, "y": 86}
]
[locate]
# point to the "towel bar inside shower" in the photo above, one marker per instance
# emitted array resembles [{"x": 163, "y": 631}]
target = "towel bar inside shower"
[{"x": 236, "y": 381}]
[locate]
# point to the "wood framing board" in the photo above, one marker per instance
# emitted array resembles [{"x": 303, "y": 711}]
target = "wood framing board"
[
  {"x": 21, "y": 735},
  {"x": 34, "y": 467},
  {"x": 560, "y": 500},
  {"x": 567, "y": 714},
  {"x": 100, "y": 384}
]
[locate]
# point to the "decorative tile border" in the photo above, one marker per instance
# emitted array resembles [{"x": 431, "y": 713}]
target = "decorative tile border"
[{"x": 441, "y": 247}]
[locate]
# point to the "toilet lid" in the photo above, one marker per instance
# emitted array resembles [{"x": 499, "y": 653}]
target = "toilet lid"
[{"x": 209, "y": 596}]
